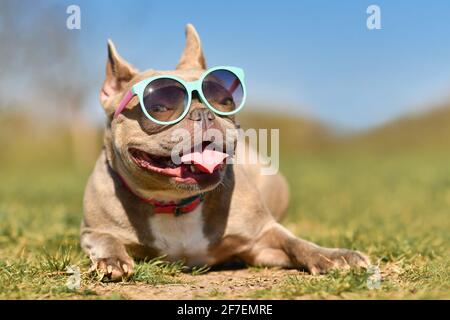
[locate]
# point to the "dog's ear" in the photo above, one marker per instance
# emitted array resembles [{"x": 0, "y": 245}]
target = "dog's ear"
[
  {"x": 118, "y": 73},
  {"x": 192, "y": 57}
]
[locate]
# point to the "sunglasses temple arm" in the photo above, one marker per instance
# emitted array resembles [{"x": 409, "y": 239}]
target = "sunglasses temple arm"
[
  {"x": 124, "y": 103},
  {"x": 234, "y": 85}
]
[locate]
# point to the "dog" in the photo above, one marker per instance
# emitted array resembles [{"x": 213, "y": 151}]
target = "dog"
[{"x": 235, "y": 219}]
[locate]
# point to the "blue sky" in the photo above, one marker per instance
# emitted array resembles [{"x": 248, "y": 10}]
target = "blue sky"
[{"x": 311, "y": 57}]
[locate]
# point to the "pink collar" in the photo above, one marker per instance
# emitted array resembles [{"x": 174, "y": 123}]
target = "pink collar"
[{"x": 176, "y": 208}]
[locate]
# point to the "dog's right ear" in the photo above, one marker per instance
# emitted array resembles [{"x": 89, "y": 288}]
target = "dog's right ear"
[{"x": 118, "y": 73}]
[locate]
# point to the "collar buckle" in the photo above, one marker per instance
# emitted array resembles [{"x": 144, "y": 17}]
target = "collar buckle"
[{"x": 177, "y": 209}]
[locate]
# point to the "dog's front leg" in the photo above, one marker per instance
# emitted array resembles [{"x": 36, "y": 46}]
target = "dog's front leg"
[
  {"x": 276, "y": 246},
  {"x": 108, "y": 254}
]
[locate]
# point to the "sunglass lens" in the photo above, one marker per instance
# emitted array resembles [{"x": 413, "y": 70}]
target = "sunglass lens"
[
  {"x": 223, "y": 90},
  {"x": 165, "y": 99}
]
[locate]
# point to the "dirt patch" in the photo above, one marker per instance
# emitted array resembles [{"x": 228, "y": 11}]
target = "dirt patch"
[{"x": 230, "y": 284}]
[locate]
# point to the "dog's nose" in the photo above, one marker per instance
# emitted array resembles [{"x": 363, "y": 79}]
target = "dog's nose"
[{"x": 202, "y": 114}]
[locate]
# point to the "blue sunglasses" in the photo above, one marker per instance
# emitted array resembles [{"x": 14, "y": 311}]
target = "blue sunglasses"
[{"x": 166, "y": 99}]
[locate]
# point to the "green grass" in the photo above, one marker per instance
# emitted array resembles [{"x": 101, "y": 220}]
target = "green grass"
[
  {"x": 393, "y": 207},
  {"x": 157, "y": 271},
  {"x": 392, "y": 204}
]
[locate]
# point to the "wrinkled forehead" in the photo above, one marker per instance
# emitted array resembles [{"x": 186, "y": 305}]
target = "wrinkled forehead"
[{"x": 186, "y": 75}]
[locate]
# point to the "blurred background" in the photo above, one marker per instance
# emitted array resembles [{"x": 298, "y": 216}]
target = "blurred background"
[
  {"x": 313, "y": 69},
  {"x": 364, "y": 119},
  {"x": 364, "y": 115}
]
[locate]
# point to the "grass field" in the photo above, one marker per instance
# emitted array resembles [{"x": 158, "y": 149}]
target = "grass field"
[{"x": 394, "y": 206}]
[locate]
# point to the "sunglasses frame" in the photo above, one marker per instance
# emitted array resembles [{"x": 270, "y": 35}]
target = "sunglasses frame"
[{"x": 190, "y": 86}]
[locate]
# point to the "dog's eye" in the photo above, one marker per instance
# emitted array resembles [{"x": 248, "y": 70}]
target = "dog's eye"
[
  {"x": 227, "y": 102},
  {"x": 159, "y": 108}
]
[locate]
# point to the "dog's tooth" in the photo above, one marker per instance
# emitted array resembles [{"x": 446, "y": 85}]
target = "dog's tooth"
[{"x": 192, "y": 168}]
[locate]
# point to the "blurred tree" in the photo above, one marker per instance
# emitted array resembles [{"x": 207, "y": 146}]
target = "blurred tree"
[{"x": 41, "y": 70}]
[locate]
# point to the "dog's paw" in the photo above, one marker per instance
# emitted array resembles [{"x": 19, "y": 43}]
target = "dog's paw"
[
  {"x": 325, "y": 260},
  {"x": 113, "y": 268}
]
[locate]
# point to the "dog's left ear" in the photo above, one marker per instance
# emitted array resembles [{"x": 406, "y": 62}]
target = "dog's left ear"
[
  {"x": 118, "y": 73},
  {"x": 192, "y": 57}
]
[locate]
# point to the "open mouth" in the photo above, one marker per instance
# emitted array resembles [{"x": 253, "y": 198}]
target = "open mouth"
[{"x": 203, "y": 167}]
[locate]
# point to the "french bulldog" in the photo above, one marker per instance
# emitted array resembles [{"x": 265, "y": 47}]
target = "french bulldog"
[{"x": 236, "y": 218}]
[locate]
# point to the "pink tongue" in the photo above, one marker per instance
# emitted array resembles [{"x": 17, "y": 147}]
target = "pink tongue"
[{"x": 205, "y": 161}]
